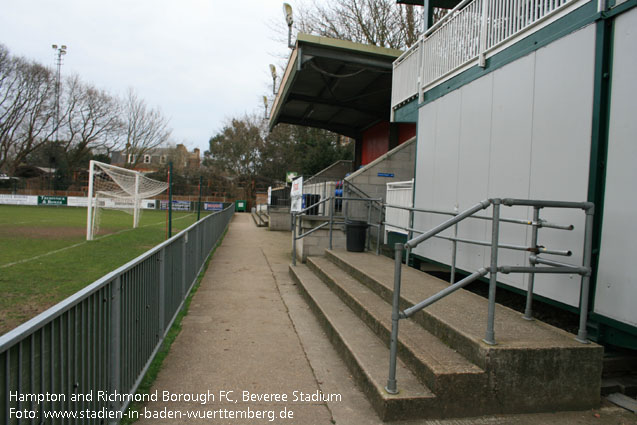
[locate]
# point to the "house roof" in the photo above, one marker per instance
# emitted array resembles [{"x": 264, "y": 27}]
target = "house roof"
[{"x": 336, "y": 85}]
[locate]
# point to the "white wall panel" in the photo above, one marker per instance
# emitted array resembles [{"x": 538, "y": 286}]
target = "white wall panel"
[
  {"x": 560, "y": 157},
  {"x": 424, "y": 177},
  {"x": 521, "y": 131},
  {"x": 473, "y": 168},
  {"x": 511, "y": 133},
  {"x": 616, "y": 295},
  {"x": 446, "y": 168}
]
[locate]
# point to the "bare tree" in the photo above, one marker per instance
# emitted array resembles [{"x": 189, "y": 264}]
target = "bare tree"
[
  {"x": 377, "y": 22},
  {"x": 90, "y": 119},
  {"x": 26, "y": 109},
  {"x": 145, "y": 128}
]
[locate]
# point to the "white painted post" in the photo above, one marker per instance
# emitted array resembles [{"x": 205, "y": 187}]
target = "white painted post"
[
  {"x": 483, "y": 34},
  {"x": 136, "y": 202},
  {"x": 89, "y": 216}
]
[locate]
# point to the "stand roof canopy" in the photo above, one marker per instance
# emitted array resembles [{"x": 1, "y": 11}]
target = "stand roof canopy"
[{"x": 336, "y": 85}]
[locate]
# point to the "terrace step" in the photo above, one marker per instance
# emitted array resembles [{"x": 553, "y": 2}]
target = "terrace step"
[
  {"x": 438, "y": 366},
  {"x": 365, "y": 355},
  {"x": 533, "y": 367},
  {"x": 259, "y": 219}
]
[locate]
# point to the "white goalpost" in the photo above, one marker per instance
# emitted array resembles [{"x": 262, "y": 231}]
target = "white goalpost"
[{"x": 117, "y": 188}]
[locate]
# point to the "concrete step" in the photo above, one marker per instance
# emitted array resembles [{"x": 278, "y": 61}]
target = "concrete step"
[
  {"x": 447, "y": 373},
  {"x": 534, "y": 366},
  {"x": 365, "y": 354},
  {"x": 258, "y": 219}
]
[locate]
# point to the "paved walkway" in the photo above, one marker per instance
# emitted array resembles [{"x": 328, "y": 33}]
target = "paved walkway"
[{"x": 249, "y": 333}]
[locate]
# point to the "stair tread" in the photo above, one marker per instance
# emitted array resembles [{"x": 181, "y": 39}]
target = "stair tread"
[
  {"x": 463, "y": 311},
  {"x": 437, "y": 356},
  {"x": 370, "y": 352}
]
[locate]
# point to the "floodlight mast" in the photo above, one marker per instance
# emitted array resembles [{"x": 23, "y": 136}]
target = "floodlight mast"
[
  {"x": 59, "y": 51},
  {"x": 265, "y": 104},
  {"x": 273, "y": 73},
  {"x": 287, "y": 9}
]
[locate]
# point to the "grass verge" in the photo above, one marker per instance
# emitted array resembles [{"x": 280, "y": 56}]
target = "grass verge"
[{"x": 155, "y": 366}]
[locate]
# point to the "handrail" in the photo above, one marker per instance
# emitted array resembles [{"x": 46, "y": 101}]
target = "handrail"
[
  {"x": 541, "y": 223},
  {"x": 447, "y": 224},
  {"x": 553, "y": 267},
  {"x": 535, "y": 250},
  {"x": 331, "y": 221}
]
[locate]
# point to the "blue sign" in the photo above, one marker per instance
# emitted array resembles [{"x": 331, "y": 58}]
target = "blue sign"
[{"x": 385, "y": 174}]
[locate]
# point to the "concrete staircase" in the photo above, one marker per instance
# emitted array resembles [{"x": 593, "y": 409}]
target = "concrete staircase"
[
  {"x": 260, "y": 219},
  {"x": 444, "y": 367}
]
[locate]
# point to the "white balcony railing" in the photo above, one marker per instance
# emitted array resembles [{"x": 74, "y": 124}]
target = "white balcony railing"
[
  {"x": 405, "y": 74},
  {"x": 399, "y": 194},
  {"x": 467, "y": 36}
]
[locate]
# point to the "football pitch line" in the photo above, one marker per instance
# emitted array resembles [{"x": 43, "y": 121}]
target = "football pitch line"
[
  {"x": 12, "y": 223},
  {"x": 55, "y": 251}
]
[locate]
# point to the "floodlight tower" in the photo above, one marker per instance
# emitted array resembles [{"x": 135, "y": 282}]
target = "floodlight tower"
[
  {"x": 287, "y": 9},
  {"x": 273, "y": 73},
  {"x": 59, "y": 52},
  {"x": 265, "y": 105}
]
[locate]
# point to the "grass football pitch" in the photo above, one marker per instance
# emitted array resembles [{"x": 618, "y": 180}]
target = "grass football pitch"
[{"x": 44, "y": 255}]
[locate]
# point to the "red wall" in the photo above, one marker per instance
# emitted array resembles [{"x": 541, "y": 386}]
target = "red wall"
[
  {"x": 376, "y": 140},
  {"x": 405, "y": 132}
]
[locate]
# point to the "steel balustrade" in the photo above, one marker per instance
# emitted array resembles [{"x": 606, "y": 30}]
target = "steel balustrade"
[
  {"x": 553, "y": 266},
  {"x": 297, "y": 220},
  {"x": 104, "y": 337}
]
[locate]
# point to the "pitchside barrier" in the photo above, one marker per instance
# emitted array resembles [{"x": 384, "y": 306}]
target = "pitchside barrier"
[
  {"x": 85, "y": 357},
  {"x": 78, "y": 201}
]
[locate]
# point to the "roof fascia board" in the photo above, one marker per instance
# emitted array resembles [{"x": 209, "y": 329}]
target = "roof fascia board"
[
  {"x": 350, "y": 57},
  {"x": 286, "y": 83},
  {"x": 359, "y": 48}
]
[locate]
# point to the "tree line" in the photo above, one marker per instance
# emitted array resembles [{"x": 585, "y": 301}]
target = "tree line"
[
  {"x": 66, "y": 122},
  {"x": 245, "y": 151}
]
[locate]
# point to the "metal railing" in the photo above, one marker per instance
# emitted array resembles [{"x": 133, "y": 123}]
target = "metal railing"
[
  {"x": 332, "y": 219},
  {"x": 465, "y": 37},
  {"x": 405, "y": 75},
  {"x": 280, "y": 197},
  {"x": 373, "y": 208},
  {"x": 492, "y": 270},
  {"x": 398, "y": 194},
  {"x": 102, "y": 339}
]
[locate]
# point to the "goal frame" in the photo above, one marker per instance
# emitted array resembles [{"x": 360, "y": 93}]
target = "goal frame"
[{"x": 92, "y": 198}]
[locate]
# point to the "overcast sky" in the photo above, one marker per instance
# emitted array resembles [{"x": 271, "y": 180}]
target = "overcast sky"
[{"x": 199, "y": 61}]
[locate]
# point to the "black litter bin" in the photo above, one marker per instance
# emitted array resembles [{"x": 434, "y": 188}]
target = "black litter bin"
[{"x": 356, "y": 232}]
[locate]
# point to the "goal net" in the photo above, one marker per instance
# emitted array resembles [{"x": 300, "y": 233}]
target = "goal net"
[{"x": 112, "y": 187}]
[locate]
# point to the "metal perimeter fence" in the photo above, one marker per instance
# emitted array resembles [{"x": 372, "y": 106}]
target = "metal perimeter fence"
[{"x": 82, "y": 360}]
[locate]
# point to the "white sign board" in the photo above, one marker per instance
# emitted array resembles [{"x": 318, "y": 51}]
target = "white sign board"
[
  {"x": 269, "y": 195},
  {"x": 18, "y": 200},
  {"x": 296, "y": 195}
]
